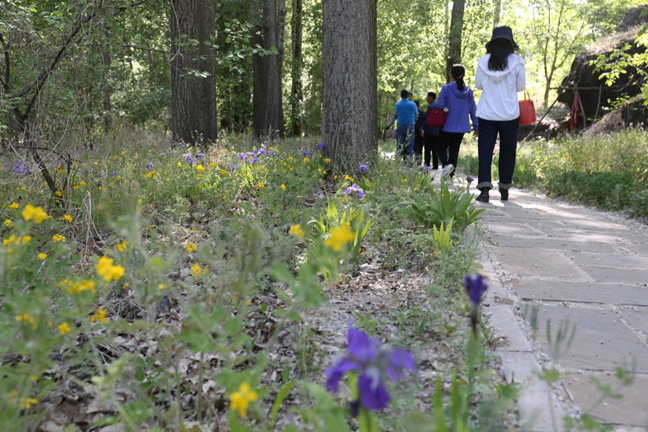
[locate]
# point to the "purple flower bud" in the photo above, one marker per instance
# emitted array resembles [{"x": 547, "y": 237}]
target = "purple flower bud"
[
  {"x": 149, "y": 165},
  {"x": 320, "y": 146},
  {"x": 469, "y": 179},
  {"x": 363, "y": 167}
]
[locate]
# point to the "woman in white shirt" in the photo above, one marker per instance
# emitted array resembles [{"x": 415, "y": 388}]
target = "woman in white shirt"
[{"x": 500, "y": 74}]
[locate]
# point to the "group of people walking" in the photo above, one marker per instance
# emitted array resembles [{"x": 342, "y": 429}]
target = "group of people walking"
[{"x": 500, "y": 74}]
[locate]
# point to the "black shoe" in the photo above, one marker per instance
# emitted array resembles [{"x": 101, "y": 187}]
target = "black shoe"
[
  {"x": 483, "y": 196},
  {"x": 504, "y": 193}
]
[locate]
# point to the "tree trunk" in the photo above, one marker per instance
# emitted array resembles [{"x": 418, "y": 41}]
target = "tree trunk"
[
  {"x": 268, "y": 78},
  {"x": 297, "y": 94},
  {"x": 349, "y": 118},
  {"x": 456, "y": 30},
  {"x": 193, "y": 71},
  {"x": 497, "y": 16},
  {"x": 106, "y": 58}
]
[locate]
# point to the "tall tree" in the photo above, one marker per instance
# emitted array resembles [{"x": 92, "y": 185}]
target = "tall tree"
[
  {"x": 297, "y": 93},
  {"x": 350, "y": 120},
  {"x": 268, "y": 80},
  {"x": 497, "y": 15},
  {"x": 193, "y": 71},
  {"x": 456, "y": 30}
]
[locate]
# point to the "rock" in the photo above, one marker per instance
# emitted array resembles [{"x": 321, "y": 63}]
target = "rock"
[
  {"x": 595, "y": 95},
  {"x": 634, "y": 17}
]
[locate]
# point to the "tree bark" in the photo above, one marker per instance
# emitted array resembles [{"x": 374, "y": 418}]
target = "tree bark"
[
  {"x": 349, "y": 118},
  {"x": 193, "y": 71},
  {"x": 268, "y": 78},
  {"x": 497, "y": 16},
  {"x": 297, "y": 93},
  {"x": 456, "y": 30},
  {"x": 106, "y": 59}
]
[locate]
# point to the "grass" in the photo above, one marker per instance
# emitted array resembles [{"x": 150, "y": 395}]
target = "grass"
[
  {"x": 165, "y": 278},
  {"x": 605, "y": 171}
]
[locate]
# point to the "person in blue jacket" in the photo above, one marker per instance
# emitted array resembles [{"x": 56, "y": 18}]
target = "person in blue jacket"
[
  {"x": 406, "y": 112},
  {"x": 458, "y": 98}
]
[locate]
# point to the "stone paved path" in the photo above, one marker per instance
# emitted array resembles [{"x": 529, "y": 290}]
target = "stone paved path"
[{"x": 578, "y": 265}]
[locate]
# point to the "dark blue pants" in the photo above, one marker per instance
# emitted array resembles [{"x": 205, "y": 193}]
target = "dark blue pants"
[
  {"x": 404, "y": 140},
  {"x": 508, "y": 134}
]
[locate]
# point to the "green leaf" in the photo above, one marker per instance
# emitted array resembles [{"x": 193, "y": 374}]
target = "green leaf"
[{"x": 281, "y": 396}]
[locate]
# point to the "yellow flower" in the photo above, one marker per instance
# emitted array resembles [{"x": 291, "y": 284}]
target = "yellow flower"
[
  {"x": 191, "y": 247},
  {"x": 122, "y": 246},
  {"x": 283, "y": 187},
  {"x": 223, "y": 172},
  {"x": 240, "y": 400},
  {"x": 77, "y": 287},
  {"x": 139, "y": 200},
  {"x": 58, "y": 238},
  {"x": 108, "y": 271},
  {"x": 200, "y": 168},
  {"x": 327, "y": 160},
  {"x": 339, "y": 237},
  {"x": 41, "y": 256},
  {"x": 150, "y": 174},
  {"x": 8, "y": 223},
  {"x": 64, "y": 329},
  {"x": 58, "y": 193},
  {"x": 404, "y": 181},
  {"x": 27, "y": 319},
  {"x": 162, "y": 286},
  {"x": 82, "y": 183},
  {"x": 67, "y": 218},
  {"x": 196, "y": 271},
  {"x": 261, "y": 185},
  {"x": 297, "y": 230},
  {"x": 179, "y": 164},
  {"x": 13, "y": 206},
  {"x": 100, "y": 315},
  {"x": 37, "y": 214},
  {"x": 306, "y": 160},
  {"x": 27, "y": 402}
]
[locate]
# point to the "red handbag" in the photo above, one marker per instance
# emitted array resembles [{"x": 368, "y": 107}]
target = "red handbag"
[
  {"x": 436, "y": 117},
  {"x": 527, "y": 110}
]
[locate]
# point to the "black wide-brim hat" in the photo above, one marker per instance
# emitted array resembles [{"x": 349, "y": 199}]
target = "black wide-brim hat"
[{"x": 503, "y": 32}]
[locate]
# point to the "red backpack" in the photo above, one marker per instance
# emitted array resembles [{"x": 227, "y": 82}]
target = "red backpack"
[{"x": 436, "y": 117}]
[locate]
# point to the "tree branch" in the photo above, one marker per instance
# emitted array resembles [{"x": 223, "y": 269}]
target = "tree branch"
[
  {"x": 39, "y": 82},
  {"x": 7, "y": 72}
]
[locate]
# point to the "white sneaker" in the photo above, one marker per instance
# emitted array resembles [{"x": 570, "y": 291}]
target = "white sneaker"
[{"x": 447, "y": 170}]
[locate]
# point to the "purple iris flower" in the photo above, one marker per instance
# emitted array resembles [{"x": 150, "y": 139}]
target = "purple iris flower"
[
  {"x": 470, "y": 179},
  {"x": 373, "y": 362},
  {"x": 20, "y": 169},
  {"x": 149, "y": 165},
  {"x": 355, "y": 188},
  {"x": 190, "y": 160},
  {"x": 241, "y": 156},
  {"x": 363, "y": 167},
  {"x": 428, "y": 169},
  {"x": 271, "y": 153},
  {"x": 200, "y": 156},
  {"x": 307, "y": 153},
  {"x": 295, "y": 148},
  {"x": 475, "y": 285},
  {"x": 320, "y": 146},
  {"x": 261, "y": 151},
  {"x": 233, "y": 167},
  {"x": 116, "y": 173}
]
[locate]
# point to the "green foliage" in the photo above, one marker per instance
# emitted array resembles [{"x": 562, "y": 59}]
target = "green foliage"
[
  {"x": 443, "y": 238},
  {"x": 430, "y": 208}
]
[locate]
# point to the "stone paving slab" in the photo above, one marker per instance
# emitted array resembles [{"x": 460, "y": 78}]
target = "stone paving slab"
[
  {"x": 602, "y": 341},
  {"x": 540, "y": 262},
  {"x": 637, "y": 319},
  {"x": 608, "y": 260},
  {"x": 630, "y": 410},
  {"x": 515, "y": 229},
  {"x": 639, "y": 277},
  {"x": 580, "y": 292},
  {"x": 550, "y": 243}
]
